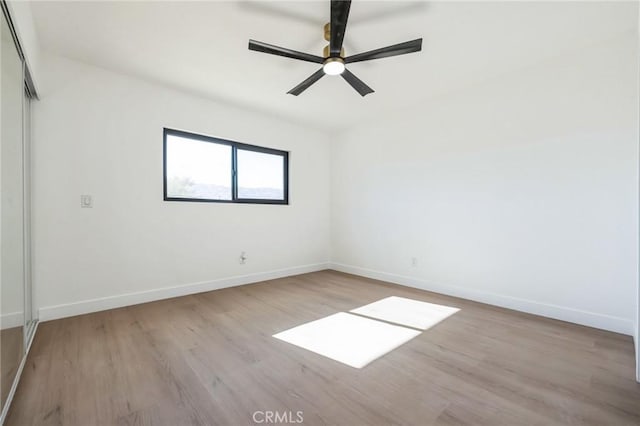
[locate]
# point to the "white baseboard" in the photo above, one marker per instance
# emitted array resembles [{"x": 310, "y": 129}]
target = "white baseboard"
[
  {"x": 11, "y": 320},
  {"x": 49, "y": 313},
  {"x": 591, "y": 319}
]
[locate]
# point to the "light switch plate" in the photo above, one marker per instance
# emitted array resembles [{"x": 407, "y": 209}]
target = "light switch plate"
[{"x": 86, "y": 202}]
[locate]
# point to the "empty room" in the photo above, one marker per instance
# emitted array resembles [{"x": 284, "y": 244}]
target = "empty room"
[{"x": 320, "y": 213}]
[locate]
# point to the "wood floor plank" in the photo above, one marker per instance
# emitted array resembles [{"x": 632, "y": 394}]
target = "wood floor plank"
[{"x": 210, "y": 359}]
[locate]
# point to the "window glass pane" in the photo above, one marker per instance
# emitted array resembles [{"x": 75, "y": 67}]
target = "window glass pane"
[
  {"x": 198, "y": 169},
  {"x": 260, "y": 175}
]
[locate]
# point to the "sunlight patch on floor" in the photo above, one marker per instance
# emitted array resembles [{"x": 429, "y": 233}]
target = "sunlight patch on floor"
[
  {"x": 407, "y": 312},
  {"x": 356, "y": 341}
]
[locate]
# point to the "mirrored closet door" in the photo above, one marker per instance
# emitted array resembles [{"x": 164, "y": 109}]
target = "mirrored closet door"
[{"x": 16, "y": 319}]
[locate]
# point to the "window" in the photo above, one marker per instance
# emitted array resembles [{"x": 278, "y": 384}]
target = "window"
[{"x": 202, "y": 168}]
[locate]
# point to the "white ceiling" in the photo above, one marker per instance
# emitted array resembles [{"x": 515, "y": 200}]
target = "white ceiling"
[{"x": 201, "y": 47}]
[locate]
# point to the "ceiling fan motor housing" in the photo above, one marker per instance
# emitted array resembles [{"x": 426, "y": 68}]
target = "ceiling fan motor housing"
[{"x": 326, "y": 53}]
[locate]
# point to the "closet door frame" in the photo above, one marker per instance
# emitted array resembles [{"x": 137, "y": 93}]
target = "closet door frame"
[{"x": 30, "y": 320}]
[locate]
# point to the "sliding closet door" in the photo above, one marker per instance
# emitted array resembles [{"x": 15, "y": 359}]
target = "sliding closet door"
[{"x": 12, "y": 230}]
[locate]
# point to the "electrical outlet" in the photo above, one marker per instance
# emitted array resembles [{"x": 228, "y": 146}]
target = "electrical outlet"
[
  {"x": 243, "y": 258},
  {"x": 86, "y": 201},
  {"x": 414, "y": 262}
]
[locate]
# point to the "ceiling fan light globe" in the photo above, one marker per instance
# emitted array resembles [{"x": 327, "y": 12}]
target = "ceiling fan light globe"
[{"x": 333, "y": 66}]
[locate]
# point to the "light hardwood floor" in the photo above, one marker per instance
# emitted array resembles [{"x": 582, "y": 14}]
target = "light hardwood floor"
[{"x": 209, "y": 359}]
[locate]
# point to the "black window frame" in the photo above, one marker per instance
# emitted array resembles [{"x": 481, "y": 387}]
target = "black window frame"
[{"x": 234, "y": 168}]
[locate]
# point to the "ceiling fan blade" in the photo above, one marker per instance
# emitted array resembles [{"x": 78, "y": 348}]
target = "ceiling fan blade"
[
  {"x": 385, "y": 52},
  {"x": 356, "y": 83},
  {"x": 308, "y": 82},
  {"x": 259, "y": 46},
  {"x": 339, "y": 17}
]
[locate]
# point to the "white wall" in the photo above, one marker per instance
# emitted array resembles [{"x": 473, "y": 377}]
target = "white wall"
[
  {"x": 100, "y": 133},
  {"x": 521, "y": 192}
]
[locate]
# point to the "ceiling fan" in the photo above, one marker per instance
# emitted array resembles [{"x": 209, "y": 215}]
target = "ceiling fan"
[{"x": 333, "y": 60}]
